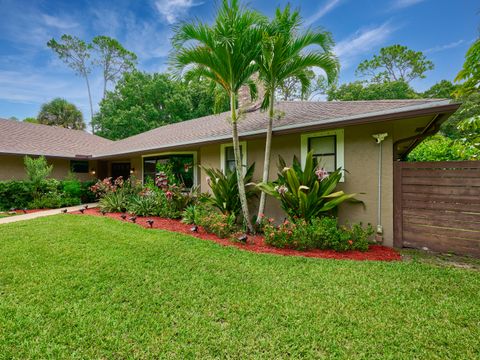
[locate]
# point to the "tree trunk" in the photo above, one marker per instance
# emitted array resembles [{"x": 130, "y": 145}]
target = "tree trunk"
[
  {"x": 238, "y": 165},
  {"x": 266, "y": 161},
  {"x": 91, "y": 104}
]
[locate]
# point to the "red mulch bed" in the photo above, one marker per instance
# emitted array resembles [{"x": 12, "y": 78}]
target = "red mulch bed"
[{"x": 257, "y": 243}]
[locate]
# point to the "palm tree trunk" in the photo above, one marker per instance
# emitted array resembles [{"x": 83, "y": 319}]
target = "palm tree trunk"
[
  {"x": 91, "y": 104},
  {"x": 266, "y": 161},
  {"x": 238, "y": 165}
]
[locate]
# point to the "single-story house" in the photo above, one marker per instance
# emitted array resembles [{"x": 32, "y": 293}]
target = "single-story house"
[{"x": 341, "y": 134}]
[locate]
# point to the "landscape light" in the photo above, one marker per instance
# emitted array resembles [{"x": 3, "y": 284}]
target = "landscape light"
[
  {"x": 103, "y": 212},
  {"x": 64, "y": 211},
  {"x": 123, "y": 216},
  {"x": 194, "y": 228},
  {"x": 150, "y": 222},
  {"x": 243, "y": 238},
  {"x": 82, "y": 210},
  {"x": 133, "y": 219}
]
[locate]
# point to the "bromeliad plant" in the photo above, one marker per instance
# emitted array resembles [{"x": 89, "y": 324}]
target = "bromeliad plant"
[
  {"x": 225, "y": 189},
  {"x": 306, "y": 193}
]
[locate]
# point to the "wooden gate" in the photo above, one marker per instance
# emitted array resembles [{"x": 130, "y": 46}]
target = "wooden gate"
[{"x": 437, "y": 206}]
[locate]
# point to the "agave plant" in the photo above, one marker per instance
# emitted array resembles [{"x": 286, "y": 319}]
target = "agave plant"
[
  {"x": 225, "y": 189},
  {"x": 306, "y": 193}
]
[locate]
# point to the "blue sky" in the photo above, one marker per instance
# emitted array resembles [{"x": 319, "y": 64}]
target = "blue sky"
[{"x": 30, "y": 74}]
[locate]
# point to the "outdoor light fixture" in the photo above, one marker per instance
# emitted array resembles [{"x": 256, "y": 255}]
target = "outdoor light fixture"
[
  {"x": 150, "y": 222},
  {"x": 243, "y": 238},
  {"x": 24, "y": 210},
  {"x": 82, "y": 210},
  {"x": 86, "y": 207},
  {"x": 132, "y": 170},
  {"x": 103, "y": 212},
  {"x": 123, "y": 216},
  {"x": 64, "y": 211},
  {"x": 133, "y": 219},
  {"x": 194, "y": 228},
  {"x": 93, "y": 172}
]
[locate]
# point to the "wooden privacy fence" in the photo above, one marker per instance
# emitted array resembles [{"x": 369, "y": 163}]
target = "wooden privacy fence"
[{"x": 437, "y": 206}]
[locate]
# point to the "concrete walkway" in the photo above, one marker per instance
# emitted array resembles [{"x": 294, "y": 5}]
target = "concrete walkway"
[{"x": 43, "y": 213}]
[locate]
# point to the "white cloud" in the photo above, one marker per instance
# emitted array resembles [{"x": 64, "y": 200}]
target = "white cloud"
[
  {"x": 56, "y": 22},
  {"x": 322, "y": 11},
  {"x": 400, "y": 4},
  {"x": 439, "y": 48},
  {"x": 363, "y": 41},
  {"x": 172, "y": 10}
]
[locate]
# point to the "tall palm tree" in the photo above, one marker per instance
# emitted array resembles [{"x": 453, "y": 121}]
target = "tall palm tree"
[
  {"x": 285, "y": 55},
  {"x": 223, "y": 52}
]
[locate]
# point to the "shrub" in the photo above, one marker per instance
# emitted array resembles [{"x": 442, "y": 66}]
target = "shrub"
[
  {"x": 37, "y": 169},
  {"x": 190, "y": 214},
  {"x": 222, "y": 225},
  {"x": 114, "y": 202},
  {"x": 441, "y": 148},
  {"x": 72, "y": 187},
  {"x": 306, "y": 193},
  {"x": 225, "y": 189},
  {"x": 15, "y": 194},
  {"x": 320, "y": 233},
  {"x": 144, "y": 205}
]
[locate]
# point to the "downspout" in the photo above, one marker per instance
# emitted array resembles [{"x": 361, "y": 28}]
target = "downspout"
[{"x": 379, "y": 138}]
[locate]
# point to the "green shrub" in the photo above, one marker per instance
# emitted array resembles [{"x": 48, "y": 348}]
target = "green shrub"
[
  {"x": 222, "y": 225},
  {"x": 320, "y": 233},
  {"x": 146, "y": 205},
  {"x": 189, "y": 215},
  {"x": 441, "y": 148},
  {"x": 15, "y": 194},
  {"x": 306, "y": 193},
  {"x": 86, "y": 194},
  {"x": 71, "y": 186},
  {"x": 225, "y": 189},
  {"x": 114, "y": 202}
]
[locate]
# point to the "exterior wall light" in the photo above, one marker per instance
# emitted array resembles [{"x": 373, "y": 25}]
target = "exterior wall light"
[
  {"x": 132, "y": 170},
  {"x": 93, "y": 172}
]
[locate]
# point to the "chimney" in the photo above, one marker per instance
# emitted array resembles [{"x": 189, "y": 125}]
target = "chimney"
[{"x": 245, "y": 102}]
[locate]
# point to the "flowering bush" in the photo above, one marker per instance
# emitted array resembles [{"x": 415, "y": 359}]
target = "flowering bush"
[
  {"x": 320, "y": 233},
  {"x": 222, "y": 225},
  {"x": 306, "y": 193}
]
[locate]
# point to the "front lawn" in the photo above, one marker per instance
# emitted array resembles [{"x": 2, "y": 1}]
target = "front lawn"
[{"x": 90, "y": 287}]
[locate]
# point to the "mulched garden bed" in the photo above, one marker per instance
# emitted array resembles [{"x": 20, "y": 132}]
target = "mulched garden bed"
[{"x": 257, "y": 243}]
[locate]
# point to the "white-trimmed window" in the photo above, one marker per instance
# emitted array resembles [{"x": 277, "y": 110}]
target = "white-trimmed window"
[
  {"x": 327, "y": 147},
  {"x": 227, "y": 157}
]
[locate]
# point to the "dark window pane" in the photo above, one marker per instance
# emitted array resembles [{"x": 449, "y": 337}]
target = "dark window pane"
[
  {"x": 326, "y": 161},
  {"x": 79, "y": 166},
  {"x": 230, "y": 158}
]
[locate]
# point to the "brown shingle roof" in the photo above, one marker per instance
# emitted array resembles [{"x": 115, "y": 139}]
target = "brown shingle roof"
[
  {"x": 18, "y": 137},
  {"x": 32, "y": 139},
  {"x": 295, "y": 114}
]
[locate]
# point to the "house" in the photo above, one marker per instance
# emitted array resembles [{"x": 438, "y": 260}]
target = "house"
[{"x": 341, "y": 134}]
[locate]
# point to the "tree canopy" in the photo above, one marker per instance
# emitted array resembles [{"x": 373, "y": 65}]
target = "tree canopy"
[
  {"x": 59, "y": 112},
  {"x": 470, "y": 72},
  {"x": 360, "y": 90},
  {"x": 395, "y": 63},
  {"x": 142, "y": 101}
]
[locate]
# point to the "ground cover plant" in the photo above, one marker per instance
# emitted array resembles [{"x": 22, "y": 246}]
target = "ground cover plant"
[{"x": 93, "y": 287}]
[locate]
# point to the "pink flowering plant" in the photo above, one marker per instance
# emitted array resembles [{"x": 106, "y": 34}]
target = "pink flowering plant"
[{"x": 308, "y": 192}]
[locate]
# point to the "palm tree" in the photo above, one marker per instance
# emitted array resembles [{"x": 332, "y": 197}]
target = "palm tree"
[
  {"x": 223, "y": 52},
  {"x": 284, "y": 56}
]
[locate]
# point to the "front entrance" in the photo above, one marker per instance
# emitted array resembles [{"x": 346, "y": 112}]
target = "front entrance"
[{"x": 120, "y": 169}]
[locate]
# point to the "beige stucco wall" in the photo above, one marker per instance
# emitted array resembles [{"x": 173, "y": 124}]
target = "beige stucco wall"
[
  {"x": 361, "y": 161},
  {"x": 11, "y": 168}
]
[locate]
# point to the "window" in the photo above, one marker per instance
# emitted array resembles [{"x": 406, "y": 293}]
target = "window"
[
  {"x": 78, "y": 166},
  {"x": 324, "y": 151},
  {"x": 182, "y": 166},
  {"x": 227, "y": 157},
  {"x": 327, "y": 147}
]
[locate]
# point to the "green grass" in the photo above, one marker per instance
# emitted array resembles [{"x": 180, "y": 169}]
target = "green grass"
[{"x": 74, "y": 286}]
